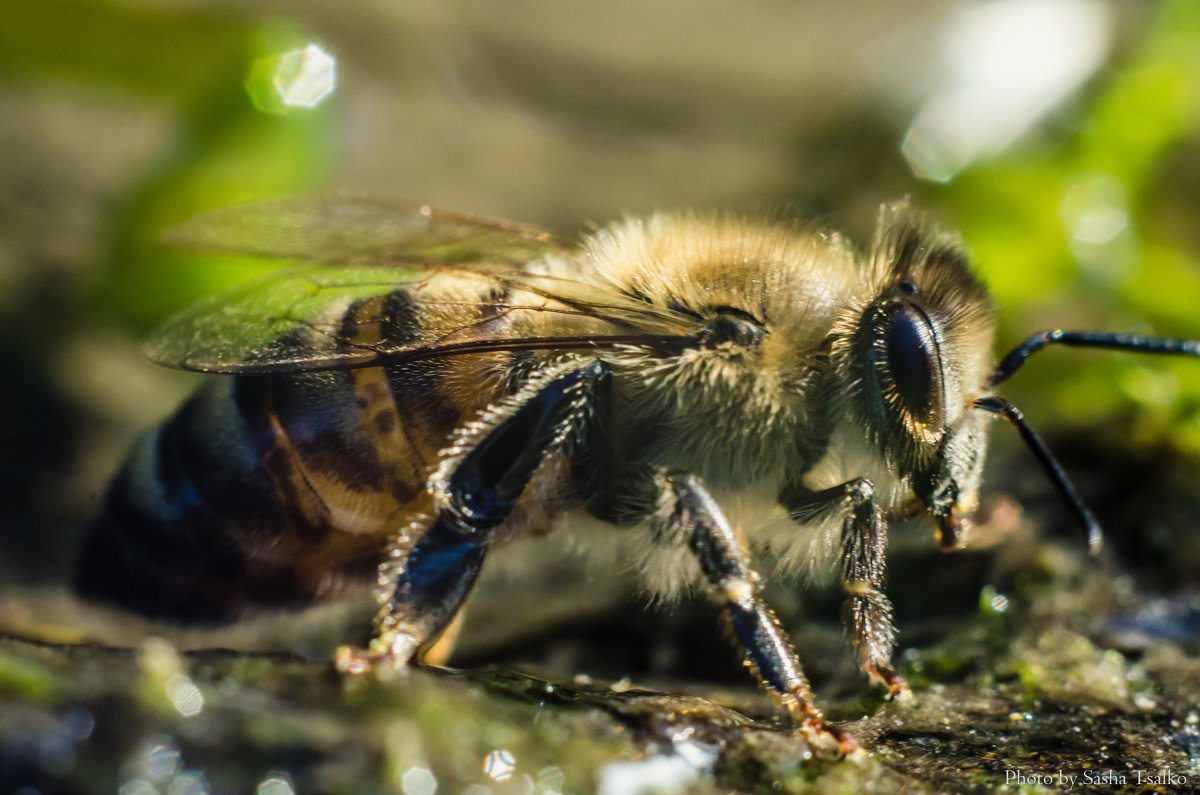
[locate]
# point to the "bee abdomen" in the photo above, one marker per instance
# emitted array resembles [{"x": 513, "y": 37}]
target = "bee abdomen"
[
  {"x": 171, "y": 538},
  {"x": 264, "y": 492}
]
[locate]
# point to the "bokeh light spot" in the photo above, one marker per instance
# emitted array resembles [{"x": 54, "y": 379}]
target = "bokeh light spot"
[{"x": 296, "y": 79}]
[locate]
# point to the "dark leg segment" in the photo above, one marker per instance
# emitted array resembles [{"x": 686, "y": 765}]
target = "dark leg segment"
[
  {"x": 491, "y": 475},
  {"x": 689, "y": 513},
  {"x": 868, "y": 612},
  {"x": 438, "y": 575},
  {"x": 478, "y": 492}
]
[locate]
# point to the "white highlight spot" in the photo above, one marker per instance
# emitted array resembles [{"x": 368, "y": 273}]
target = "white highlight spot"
[
  {"x": 184, "y": 694},
  {"x": 418, "y": 781},
  {"x": 1008, "y": 62},
  {"x": 1096, "y": 210},
  {"x": 275, "y": 784},
  {"x": 297, "y": 79},
  {"x": 658, "y": 774},
  {"x": 500, "y": 764},
  {"x": 305, "y": 77}
]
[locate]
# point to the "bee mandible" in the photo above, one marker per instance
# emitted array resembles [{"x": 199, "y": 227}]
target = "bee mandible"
[{"x": 422, "y": 386}]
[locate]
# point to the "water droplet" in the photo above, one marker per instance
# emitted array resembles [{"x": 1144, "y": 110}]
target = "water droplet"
[
  {"x": 184, "y": 694},
  {"x": 297, "y": 79},
  {"x": 551, "y": 779},
  {"x": 190, "y": 782},
  {"x": 418, "y": 781},
  {"x": 305, "y": 77},
  {"x": 499, "y": 764},
  {"x": 275, "y": 784},
  {"x": 160, "y": 760}
]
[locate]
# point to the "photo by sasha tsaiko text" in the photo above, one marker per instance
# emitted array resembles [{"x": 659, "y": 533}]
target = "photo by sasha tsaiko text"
[{"x": 1067, "y": 780}]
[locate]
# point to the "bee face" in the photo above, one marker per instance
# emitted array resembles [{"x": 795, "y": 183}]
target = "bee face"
[{"x": 432, "y": 384}]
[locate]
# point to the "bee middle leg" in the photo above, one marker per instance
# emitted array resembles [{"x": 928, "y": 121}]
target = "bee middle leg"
[
  {"x": 688, "y": 513},
  {"x": 868, "y": 611},
  {"x": 436, "y": 561}
]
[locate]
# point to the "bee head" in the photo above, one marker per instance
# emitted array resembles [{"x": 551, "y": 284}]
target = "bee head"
[{"x": 912, "y": 353}]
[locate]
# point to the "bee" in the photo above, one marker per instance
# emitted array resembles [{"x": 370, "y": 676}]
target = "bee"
[{"x": 420, "y": 387}]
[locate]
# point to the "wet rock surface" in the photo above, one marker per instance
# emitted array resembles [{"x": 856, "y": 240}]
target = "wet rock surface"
[{"x": 1075, "y": 673}]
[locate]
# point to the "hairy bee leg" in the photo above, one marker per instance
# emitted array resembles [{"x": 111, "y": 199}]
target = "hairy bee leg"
[
  {"x": 474, "y": 492},
  {"x": 688, "y": 512},
  {"x": 867, "y": 612}
]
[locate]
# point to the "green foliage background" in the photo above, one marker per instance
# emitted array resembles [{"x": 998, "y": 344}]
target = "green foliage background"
[
  {"x": 1136, "y": 127},
  {"x": 193, "y": 66}
]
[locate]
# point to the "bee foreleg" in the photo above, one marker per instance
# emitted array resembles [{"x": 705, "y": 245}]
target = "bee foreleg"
[
  {"x": 686, "y": 511},
  {"x": 484, "y": 473},
  {"x": 868, "y": 612}
]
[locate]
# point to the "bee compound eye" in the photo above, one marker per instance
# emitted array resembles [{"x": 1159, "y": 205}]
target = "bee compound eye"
[
  {"x": 728, "y": 327},
  {"x": 908, "y": 359}
]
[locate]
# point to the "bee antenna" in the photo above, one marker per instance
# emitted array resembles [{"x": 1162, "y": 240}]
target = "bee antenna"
[
  {"x": 998, "y": 405},
  {"x": 1089, "y": 339}
]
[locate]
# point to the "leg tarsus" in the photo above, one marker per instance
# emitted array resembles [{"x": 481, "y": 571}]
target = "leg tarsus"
[
  {"x": 868, "y": 613},
  {"x": 894, "y": 682},
  {"x": 872, "y": 634},
  {"x": 387, "y": 654},
  {"x": 815, "y": 729}
]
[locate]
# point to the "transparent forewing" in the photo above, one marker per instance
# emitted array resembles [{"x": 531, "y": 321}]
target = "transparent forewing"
[
  {"x": 359, "y": 231},
  {"x": 313, "y": 317}
]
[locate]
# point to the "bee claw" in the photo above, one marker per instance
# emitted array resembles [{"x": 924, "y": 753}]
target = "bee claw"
[
  {"x": 822, "y": 734},
  {"x": 816, "y": 730},
  {"x": 894, "y": 682},
  {"x": 387, "y": 655},
  {"x": 352, "y": 660}
]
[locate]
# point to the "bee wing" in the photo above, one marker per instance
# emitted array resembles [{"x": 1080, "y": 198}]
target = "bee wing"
[
  {"x": 317, "y": 317},
  {"x": 341, "y": 229}
]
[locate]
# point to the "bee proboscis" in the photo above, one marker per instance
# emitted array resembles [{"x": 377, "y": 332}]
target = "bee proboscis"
[{"x": 422, "y": 386}]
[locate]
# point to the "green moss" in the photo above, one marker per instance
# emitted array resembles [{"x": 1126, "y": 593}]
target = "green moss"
[{"x": 29, "y": 680}]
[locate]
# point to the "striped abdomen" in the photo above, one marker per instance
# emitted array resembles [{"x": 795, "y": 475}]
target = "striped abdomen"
[{"x": 271, "y": 491}]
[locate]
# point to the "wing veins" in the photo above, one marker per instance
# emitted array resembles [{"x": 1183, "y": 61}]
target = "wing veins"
[{"x": 663, "y": 342}]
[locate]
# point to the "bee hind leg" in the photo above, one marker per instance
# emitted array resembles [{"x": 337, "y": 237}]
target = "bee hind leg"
[
  {"x": 868, "y": 611},
  {"x": 687, "y": 512},
  {"x": 436, "y": 562}
]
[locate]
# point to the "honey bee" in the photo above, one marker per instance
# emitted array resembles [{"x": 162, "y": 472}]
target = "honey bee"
[{"x": 422, "y": 386}]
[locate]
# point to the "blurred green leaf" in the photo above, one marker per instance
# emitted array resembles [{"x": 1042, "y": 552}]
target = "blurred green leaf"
[
  {"x": 1016, "y": 212},
  {"x": 163, "y": 55},
  {"x": 192, "y": 66}
]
